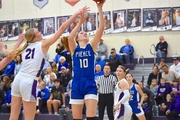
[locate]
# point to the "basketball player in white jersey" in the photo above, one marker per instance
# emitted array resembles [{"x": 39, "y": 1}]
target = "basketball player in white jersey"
[
  {"x": 33, "y": 54},
  {"x": 7, "y": 59},
  {"x": 122, "y": 108}
]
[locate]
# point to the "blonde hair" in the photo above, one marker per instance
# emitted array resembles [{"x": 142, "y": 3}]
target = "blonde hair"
[
  {"x": 29, "y": 36},
  {"x": 152, "y": 86}
]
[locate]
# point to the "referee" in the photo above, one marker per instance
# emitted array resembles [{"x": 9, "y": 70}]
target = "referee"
[{"x": 106, "y": 84}]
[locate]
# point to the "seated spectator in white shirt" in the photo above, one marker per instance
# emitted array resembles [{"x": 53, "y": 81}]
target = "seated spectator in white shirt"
[
  {"x": 101, "y": 51},
  {"x": 176, "y": 65}
]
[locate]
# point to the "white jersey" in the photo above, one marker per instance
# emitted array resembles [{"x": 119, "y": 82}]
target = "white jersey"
[
  {"x": 118, "y": 92},
  {"x": 33, "y": 59}
]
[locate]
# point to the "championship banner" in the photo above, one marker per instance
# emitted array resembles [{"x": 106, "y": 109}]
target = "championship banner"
[
  {"x": 13, "y": 29},
  {"x": 38, "y": 23},
  {"x": 164, "y": 19},
  {"x": 133, "y": 20},
  {"x": 24, "y": 25},
  {"x": 60, "y": 20},
  {"x": 3, "y": 30},
  {"x": 149, "y": 19},
  {"x": 90, "y": 25},
  {"x": 107, "y": 21},
  {"x": 40, "y": 3},
  {"x": 48, "y": 25},
  {"x": 176, "y": 18},
  {"x": 72, "y": 2},
  {"x": 119, "y": 20}
]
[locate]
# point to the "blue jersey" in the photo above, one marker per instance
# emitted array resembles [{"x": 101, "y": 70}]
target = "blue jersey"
[
  {"x": 84, "y": 61},
  {"x": 134, "y": 94}
]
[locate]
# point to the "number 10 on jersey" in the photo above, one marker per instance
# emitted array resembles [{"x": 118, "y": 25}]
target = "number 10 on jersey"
[{"x": 83, "y": 63}]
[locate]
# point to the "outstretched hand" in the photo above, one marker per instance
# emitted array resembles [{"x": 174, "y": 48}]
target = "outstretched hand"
[{"x": 83, "y": 11}]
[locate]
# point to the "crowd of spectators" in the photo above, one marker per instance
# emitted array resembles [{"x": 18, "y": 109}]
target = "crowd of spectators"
[{"x": 161, "y": 92}]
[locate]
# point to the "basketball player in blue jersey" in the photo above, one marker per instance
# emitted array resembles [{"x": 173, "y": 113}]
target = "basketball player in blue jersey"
[
  {"x": 7, "y": 59},
  {"x": 25, "y": 82},
  {"x": 134, "y": 101},
  {"x": 83, "y": 53}
]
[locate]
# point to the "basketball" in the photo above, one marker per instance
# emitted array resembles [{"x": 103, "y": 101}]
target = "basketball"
[{"x": 98, "y": 1}]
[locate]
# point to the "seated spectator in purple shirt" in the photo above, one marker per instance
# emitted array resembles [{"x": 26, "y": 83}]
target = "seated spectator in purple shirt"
[
  {"x": 174, "y": 109},
  {"x": 175, "y": 88},
  {"x": 163, "y": 90},
  {"x": 127, "y": 51}
]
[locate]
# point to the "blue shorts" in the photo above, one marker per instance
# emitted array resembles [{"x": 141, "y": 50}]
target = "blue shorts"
[
  {"x": 136, "y": 110},
  {"x": 83, "y": 89}
]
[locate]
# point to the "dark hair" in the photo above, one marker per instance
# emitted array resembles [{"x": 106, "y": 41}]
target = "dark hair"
[
  {"x": 134, "y": 81},
  {"x": 165, "y": 66},
  {"x": 176, "y": 81}
]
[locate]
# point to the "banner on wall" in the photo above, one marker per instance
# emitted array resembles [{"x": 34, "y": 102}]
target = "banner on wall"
[
  {"x": 72, "y": 2},
  {"x": 0, "y": 4},
  {"x": 24, "y": 25},
  {"x": 90, "y": 25},
  {"x": 107, "y": 21},
  {"x": 13, "y": 29},
  {"x": 119, "y": 21},
  {"x": 164, "y": 19},
  {"x": 176, "y": 18},
  {"x": 48, "y": 25},
  {"x": 3, "y": 30},
  {"x": 38, "y": 23},
  {"x": 133, "y": 20},
  {"x": 60, "y": 20},
  {"x": 40, "y": 3},
  {"x": 149, "y": 19}
]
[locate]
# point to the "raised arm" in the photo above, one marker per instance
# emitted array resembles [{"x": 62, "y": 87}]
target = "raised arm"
[
  {"x": 71, "y": 41},
  {"x": 94, "y": 42},
  {"x": 48, "y": 42}
]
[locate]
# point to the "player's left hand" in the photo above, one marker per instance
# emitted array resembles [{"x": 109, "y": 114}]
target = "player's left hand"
[{"x": 117, "y": 107}]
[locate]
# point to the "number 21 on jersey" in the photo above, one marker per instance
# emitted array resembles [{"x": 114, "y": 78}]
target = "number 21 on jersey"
[{"x": 83, "y": 63}]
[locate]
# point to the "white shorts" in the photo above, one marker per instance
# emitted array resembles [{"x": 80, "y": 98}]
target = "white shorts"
[
  {"x": 81, "y": 101},
  {"x": 127, "y": 113},
  {"x": 24, "y": 85}
]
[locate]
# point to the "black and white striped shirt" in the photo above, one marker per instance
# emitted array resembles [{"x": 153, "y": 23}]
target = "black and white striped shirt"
[{"x": 106, "y": 84}]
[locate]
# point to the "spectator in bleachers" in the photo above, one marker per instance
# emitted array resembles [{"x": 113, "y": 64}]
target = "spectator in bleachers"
[
  {"x": 169, "y": 75},
  {"x": 161, "y": 64},
  {"x": 46, "y": 64},
  {"x": 7, "y": 105},
  {"x": 57, "y": 98},
  {"x": 59, "y": 49},
  {"x": 42, "y": 97},
  {"x": 175, "y": 88},
  {"x": 7, "y": 84},
  {"x": 176, "y": 65},
  {"x": 127, "y": 52},
  {"x": 101, "y": 51},
  {"x": 147, "y": 107},
  {"x": 46, "y": 78},
  {"x": 62, "y": 62},
  {"x": 155, "y": 74},
  {"x": 54, "y": 67},
  {"x": 98, "y": 71},
  {"x": 64, "y": 77},
  {"x": 163, "y": 90},
  {"x": 114, "y": 53},
  {"x": 50, "y": 83},
  {"x": 17, "y": 64},
  {"x": 146, "y": 90},
  {"x": 164, "y": 106},
  {"x": 174, "y": 109},
  {"x": 154, "y": 86},
  {"x": 9, "y": 71},
  {"x": 114, "y": 61},
  {"x": 161, "y": 49}
]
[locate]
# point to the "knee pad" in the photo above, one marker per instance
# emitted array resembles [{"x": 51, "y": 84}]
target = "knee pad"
[{"x": 93, "y": 118}]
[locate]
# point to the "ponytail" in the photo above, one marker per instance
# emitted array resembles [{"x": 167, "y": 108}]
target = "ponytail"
[{"x": 64, "y": 41}]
